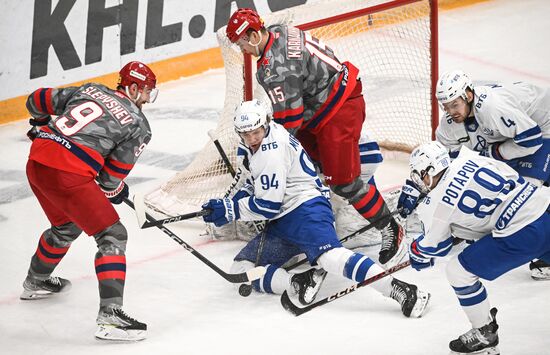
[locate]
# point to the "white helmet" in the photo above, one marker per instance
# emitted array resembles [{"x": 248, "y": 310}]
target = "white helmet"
[
  {"x": 249, "y": 116},
  {"x": 451, "y": 85},
  {"x": 428, "y": 159}
]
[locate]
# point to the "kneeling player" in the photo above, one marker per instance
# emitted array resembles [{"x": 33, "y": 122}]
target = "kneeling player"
[{"x": 286, "y": 191}]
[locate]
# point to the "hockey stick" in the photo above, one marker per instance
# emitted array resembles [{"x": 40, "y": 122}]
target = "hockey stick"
[
  {"x": 250, "y": 275},
  {"x": 352, "y": 235},
  {"x": 292, "y": 308},
  {"x": 139, "y": 207},
  {"x": 258, "y": 225},
  {"x": 245, "y": 289},
  {"x": 222, "y": 152}
]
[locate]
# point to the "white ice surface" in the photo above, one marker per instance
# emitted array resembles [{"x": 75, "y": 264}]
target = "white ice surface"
[{"x": 191, "y": 310}]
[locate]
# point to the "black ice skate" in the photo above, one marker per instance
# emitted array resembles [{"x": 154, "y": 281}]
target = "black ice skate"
[
  {"x": 540, "y": 270},
  {"x": 482, "y": 340},
  {"x": 392, "y": 235},
  {"x": 413, "y": 301},
  {"x": 35, "y": 289},
  {"x": 114, "y": 324},
  {"x": 307, "y": 284}
]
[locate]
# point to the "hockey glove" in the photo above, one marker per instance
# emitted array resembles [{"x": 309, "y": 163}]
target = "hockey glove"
[
  {"x": 223, "y": 211},
  {"x": 39, "y": 121},
  {"x": 32, "y": 133},
  {"x": 491, "y": 151},
  {"x": 117, "y": 195},
  {"x": 408, "y": 199},
  {"x": 418, "y": 261}
]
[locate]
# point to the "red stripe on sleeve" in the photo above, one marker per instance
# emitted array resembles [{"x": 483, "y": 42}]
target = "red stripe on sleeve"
[
  {"x": 121, "y": 165},
  {"x": 114, "y": 173},
  {"x": 37, "y": 102},
  {"x": 293, "y": 124},
  {"x": 49, "y": 106},
  {"x": 289, "y": 112}
]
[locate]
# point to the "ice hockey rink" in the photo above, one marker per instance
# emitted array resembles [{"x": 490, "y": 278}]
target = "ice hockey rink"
[{"x": 189, "y": 309}]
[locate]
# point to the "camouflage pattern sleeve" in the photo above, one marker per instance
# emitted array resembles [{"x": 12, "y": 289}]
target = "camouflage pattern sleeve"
[
  {"x": 121, "y": 160},
  {"x": 303, "y": 78},
  {"x": 49, "y": 101}
]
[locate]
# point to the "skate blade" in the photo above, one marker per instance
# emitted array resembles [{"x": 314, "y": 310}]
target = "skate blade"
[
  {"x": 112, "y": 333},
  {"x": 33, "y": 295},
  {"x": 398, "y": 257},
  {"x": 38, "y": 295},
  {"x": 540, "y": 276},
  {"x": 487, "y": 351},
  {"x": 421, "y": 305}
]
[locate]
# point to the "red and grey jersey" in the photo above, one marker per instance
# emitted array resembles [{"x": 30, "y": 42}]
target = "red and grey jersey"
[
  {"x": 97, "y": 131},
  {"x": 303, "y": 78}
]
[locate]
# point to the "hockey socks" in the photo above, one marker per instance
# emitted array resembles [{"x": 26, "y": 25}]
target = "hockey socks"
[
  {"x": 111, "y": 274},
  {"x": 372, "y": 206}
]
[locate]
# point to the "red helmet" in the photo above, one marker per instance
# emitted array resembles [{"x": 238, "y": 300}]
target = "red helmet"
[
  {"x": 139, "y": 73},
  {"x": 241, "y": 21}
]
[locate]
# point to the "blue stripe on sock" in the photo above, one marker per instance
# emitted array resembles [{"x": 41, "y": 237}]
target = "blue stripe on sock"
[
  {"x": 363, "y": 269},
  {"x": 268, "y": 277}
]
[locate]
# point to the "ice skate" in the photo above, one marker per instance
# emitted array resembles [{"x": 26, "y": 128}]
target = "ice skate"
[
  {"x": 540, "y": 270},
  {"x": 482, "y": 340},
  {"x": 413, "y": 301},
  {"x": 35, "y": 289},
  {"x": 114, "y": 324},
  {"x": 307, "y": 284},
  {"x": 392, "y": 236}
]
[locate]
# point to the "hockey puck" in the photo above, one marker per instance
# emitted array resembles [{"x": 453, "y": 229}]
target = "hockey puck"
[{"x": 245, "y": 290}]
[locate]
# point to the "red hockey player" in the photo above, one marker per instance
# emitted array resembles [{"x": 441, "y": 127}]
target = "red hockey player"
[
  {"x": 76, "y": 169},
  {"x": 318, "y": 99}
]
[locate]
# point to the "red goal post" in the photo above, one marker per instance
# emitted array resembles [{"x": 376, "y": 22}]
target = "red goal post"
[{"x": 394, "y": 45}]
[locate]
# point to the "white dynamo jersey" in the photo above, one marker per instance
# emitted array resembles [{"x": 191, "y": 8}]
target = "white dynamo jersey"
[
  {"x": 518, "y": 114},
  {"x": 283, "y": 176},
  {"x": 477, "y": 196}
]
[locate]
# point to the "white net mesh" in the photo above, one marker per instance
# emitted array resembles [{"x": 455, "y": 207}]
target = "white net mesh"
[{"x": 392, "y": 50}]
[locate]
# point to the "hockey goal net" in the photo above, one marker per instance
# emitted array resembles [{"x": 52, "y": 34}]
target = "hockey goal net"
[{"x": 393, "y": 43}]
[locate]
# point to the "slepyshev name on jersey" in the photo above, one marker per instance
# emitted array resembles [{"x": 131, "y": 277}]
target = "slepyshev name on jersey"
[{"x": 115, "y": 108}]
